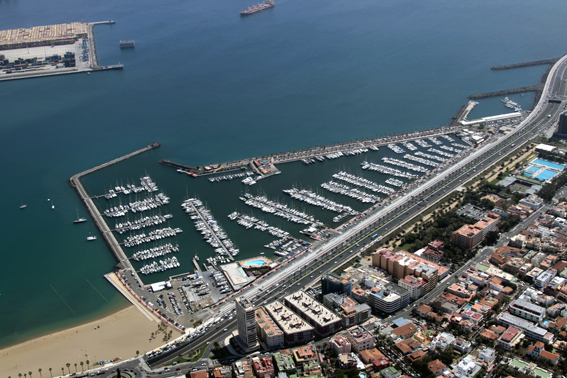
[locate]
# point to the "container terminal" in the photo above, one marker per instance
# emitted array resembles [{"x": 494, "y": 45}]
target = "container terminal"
[{"x": 49, "y": 50}]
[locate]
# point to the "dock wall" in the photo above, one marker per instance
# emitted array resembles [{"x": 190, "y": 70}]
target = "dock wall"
[
  {"x": 525, "y": 64},
  {"x": 533, "y": 88},
  {"x": 105, "y": 231},
  {"x": 286, "y": 157}
]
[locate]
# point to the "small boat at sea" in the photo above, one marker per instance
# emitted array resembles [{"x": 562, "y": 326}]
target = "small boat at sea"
[
  {"x": 23, "y": 206},
  {"x": 92, "y": 237},
  {"x": 79, "y": 220}
]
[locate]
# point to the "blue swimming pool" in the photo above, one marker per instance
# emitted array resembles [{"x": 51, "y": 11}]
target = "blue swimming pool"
[
  {"x": 362, "y": 375},
  {"x": 546, "y": 175},
  {"x": 532, "y": 168},
  {"x": 549, "y": 164},
  {"x": 255, "y": 262}
]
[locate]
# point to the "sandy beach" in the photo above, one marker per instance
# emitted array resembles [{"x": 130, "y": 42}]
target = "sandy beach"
[{"x": 118, "y": 335}]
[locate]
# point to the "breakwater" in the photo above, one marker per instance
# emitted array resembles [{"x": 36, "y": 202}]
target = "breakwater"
[
  {"x": 310, "y": 152},
  {"x": 114, "y": 245},
  {"x": 533, "y": 88},
  {"x": 525, "y": 64}
]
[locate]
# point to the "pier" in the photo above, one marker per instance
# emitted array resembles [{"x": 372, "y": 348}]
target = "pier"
[
  {"x": 525, "y": 64},
  {"x": 105, "y": 231},
  {"x": 311, "y": 152},
  {"x": 533, "y": 88}
]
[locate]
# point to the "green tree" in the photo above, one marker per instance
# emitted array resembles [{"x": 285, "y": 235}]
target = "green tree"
[
  {"x": 68, "y": 367},
  {"x": 82, "y": 363},
  {"x": 75, "y": 367},
  {"x": 39, "y": 371},
  {"x": 50, "y": 372},
  {"x": 137, "y": 353},
  {"x": 88, "y": 362}
]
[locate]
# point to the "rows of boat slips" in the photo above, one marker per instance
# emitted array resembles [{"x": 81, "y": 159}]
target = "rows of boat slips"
[
  {"x": 161, "y": 266},
  {"x": 146, "y": 204},
  {"x": 142, "y": 222},
  {"x": 364, "y": 183},
  {"x": 248, "y": 221},
  {"x": 230, "y": 176},
  {"x": 154, "y": 235},
  {"x": 211, "y": 230},
  {"x": 345, "y": 190},
  {"x": 288, "y": 246},
  {"x": 338, "y": 154},
  {"x": 154, "y": 252},
  {"x": 146, "y": 184},
  {"x": 278, "y": 209},
  {"x": 313, "y": 199}
]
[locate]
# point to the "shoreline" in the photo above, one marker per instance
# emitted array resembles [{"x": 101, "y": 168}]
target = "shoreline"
[{"x": 119, "y": 334}]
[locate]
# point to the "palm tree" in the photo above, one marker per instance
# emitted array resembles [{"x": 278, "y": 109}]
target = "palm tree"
[
  {"x": 25, "y": 375},
  {"x": 39, "y": 371},
  {"x": 88, "y": 362},
  {"x": 68, "y": 368},
  {"x": 82, "y": 363},
  {"x": 137, "y": 353},
  {"x": 75, "y": 367},
  {"x": 50, "y": 372},
  {"x": 20, "y": 375},
  {"x": 29, "y": 373},
  {"x": 62, "y": 371}
]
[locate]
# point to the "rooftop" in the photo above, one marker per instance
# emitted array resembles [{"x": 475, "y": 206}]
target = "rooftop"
[
  {"x": 286, "y": 319},
  {"x": 312, "y": 309}
]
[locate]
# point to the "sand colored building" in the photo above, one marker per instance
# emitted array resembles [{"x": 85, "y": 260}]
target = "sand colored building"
[
  {"x": 323, "y": 320},
  {"x": 295, "y": 329},
  {"x": 270, "y": 334},
  {"x": 401, "y": 264}
]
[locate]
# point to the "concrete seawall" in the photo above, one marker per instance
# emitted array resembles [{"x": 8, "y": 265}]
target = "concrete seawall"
[
  {"x": 75, "y": 181},
  {"x": 286, "y": 157}
]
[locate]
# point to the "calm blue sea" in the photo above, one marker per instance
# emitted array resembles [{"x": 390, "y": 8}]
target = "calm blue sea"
[{"x": 211, "y": 86}]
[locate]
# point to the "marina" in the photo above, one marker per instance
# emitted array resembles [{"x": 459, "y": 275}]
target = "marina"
[
  {"x": 439, "y": 152},
  {"x": 421, "y": 160},
  {"x": 314, "y": 199},
  {"x": 409, "y": 146},
  {"x": 362, "y": 182},
  {"x": 431, "y": 157},
  {"x": 403, "y": 164},
  {"x": 388, "y": 170},
  {"x": 422, "y": 143},
  {"x": 163, "y": 265},
  {"x": 397, "y": 149},
  {"x": 155, "y": 235},
  {"x": 248, "y": 221},
  {"x": 278, "y": 209},
  {"x": 345, "y": 190},
  {"x": 211, "y": 230},
  {"x": 142, "y": 222},
  {"x": 154, "y": 252}
]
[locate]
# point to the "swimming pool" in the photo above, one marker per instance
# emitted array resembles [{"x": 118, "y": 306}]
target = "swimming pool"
[
  {"x": 546, "y": 175},
  {"x": 362, "y": 375},
  {"x": 549, "y": 164},
  {"x": 255, "y": 262},
  {"x": 533, "y": 168}
]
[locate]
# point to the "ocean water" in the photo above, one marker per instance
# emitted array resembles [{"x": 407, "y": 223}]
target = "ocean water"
[{"x": 211, "y": 86}]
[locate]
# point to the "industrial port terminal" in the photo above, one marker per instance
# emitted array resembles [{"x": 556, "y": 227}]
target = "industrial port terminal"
[{"x": 50, "y": 50}]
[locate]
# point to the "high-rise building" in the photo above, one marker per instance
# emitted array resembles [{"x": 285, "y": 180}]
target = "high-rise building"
[
  {"x": 246, "y": 317},
  {"x": 332, "y": 283},
  {"x": 562, "y": 126}
]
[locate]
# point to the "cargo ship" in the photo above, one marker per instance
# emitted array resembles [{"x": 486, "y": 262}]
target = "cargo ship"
[{"x": 258, "y": 8}]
